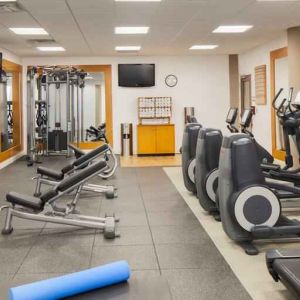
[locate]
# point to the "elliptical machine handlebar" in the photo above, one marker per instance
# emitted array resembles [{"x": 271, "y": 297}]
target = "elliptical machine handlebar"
[{"x": 276, "y": 97}]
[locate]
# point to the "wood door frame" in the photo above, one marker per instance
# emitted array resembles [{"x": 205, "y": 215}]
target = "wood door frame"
[
  {"x": 16, "y": 70},
  {"x": 276, "y": 54},
  {"x": 245, "y": 78},
  {"x": 107, "y": 70}
]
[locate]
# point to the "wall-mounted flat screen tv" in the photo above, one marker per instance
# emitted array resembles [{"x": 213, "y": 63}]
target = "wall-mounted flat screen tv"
[{"x": 137, "y": 75}]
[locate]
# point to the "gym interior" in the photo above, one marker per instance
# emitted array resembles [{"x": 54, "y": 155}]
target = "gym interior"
[{"x": 149, "y": 149}]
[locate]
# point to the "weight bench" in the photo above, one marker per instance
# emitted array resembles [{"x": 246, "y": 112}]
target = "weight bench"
[
  {"x": 43, "y": 208},
  {"x": 284, "y": 265},
  {"x": 51, "y": 177}
]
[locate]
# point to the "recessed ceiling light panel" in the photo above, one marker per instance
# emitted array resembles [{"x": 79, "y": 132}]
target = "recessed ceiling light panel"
[
  {"x": 233, "y": 29},
  {"x": 132, "y": 30},
  {"x": 128, "y": 48},
  {"x": 138, "y": 0},
  {"x": 204, "y": 47},
  {"x": 29, "y": 31},
  {"x": 51, "y": 49}
]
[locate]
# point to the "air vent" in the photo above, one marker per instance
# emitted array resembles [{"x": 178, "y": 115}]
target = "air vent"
[
  {"x": 41, "y": 42},
  {"x": 9, "y": 7}
]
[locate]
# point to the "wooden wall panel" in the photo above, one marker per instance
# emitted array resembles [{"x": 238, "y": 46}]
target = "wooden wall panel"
[{"x": 261, "y": 85}]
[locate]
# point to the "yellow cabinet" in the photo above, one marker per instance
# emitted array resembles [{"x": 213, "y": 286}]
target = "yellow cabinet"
[{"x": 156, "y": 139}]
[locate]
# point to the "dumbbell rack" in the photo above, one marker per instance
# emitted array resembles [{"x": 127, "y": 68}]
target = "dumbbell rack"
[{"x": 154, "y": 110}]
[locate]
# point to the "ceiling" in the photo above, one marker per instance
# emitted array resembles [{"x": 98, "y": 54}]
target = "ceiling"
[{"x": 85, "y": 27}]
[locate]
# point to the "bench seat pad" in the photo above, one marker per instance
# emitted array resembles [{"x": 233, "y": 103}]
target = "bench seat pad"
[
  {"x": 50, "y": 173},
  {"x": 25, "y": 200}
]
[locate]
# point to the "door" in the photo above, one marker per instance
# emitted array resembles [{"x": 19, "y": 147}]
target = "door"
[
  {"x": 245, "y": 92},
  {"x": 279, "y": 79}
]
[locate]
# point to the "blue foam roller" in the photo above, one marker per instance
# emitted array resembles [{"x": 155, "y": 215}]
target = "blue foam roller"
[{"x": 72, "y": 284}]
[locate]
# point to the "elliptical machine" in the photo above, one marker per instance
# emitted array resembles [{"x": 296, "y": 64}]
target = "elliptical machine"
[
  {"x": 207, "y": 163},
  {"x": 250, "y": 208},
  {"x": 188, "y": 150}
]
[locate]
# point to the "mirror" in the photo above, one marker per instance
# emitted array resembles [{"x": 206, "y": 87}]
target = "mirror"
[
  {"x": 246, "y": 97},
  {"x": 94, "y": 105},
  {"x": 6, "y": 103},
  {"x": 279, "y": 79}
]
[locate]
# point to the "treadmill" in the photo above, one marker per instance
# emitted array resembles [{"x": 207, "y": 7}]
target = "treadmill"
[{"x": 284, "y": 266}]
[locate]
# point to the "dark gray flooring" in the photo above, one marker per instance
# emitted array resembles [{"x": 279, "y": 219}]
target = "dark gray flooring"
[{"x": 169, "y": 252}]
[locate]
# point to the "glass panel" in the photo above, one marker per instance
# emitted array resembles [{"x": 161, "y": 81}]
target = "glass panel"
[
  {"x": 281, "y": 81},
  {"x": 94, "y": 109},
  {"x": 6, "y": 119}
]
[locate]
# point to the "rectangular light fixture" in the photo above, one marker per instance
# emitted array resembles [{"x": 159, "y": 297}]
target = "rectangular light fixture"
[
  {"x": 232, "y": 29},
  {"x": 52, "y": 49},
  {"x": 29, "y": 31},
  {"x": 2, "y": 1},
  {"x": 204, "y": 47},
  {"x": 277, "y": 0},
  {"x": 131, "y": 30},
  {"x": 138, "y": 0},
  {"x": 128, "y": 48}
]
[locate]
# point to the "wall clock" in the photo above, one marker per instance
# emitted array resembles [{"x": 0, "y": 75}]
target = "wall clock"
[{"x": 171, "y": 80}]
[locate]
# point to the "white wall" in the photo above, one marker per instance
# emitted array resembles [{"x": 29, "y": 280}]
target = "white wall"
[
  {"x": 247, "y": 63},
  {"x": 11, "y": 57},
  {"x": 203, "y": 83}
]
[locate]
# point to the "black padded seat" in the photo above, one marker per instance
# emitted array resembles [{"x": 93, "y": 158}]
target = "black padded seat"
[
  {"x": 57, "y": 175},
  {"x": 77, "y": 177},
  {"x": 288, "y": 271},
  {"x": 91, "y": 155},
  {"x": 24, "y": 200}
]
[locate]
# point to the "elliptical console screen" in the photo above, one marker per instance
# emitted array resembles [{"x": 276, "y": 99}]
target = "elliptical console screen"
[
  {"x": 231, "y": 117},
  {"x": 246, "y": 118}
]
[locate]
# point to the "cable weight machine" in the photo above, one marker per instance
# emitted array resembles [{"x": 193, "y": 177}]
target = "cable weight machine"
[{"x": 55, "y": 106}]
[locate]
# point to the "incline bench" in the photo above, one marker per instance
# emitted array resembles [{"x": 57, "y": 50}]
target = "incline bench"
[
  {"x": 52, "y": 177},
  {"x": 43, "y": 208}
]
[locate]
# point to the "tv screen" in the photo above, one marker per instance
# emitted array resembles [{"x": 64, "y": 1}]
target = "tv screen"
[{"x": 136, "y": 75}]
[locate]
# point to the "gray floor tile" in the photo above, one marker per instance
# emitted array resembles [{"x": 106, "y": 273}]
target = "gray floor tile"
[
  {"x": 5, "y": 284},
  {"x": 165, "y": 205},
  {"x": 147, "y": 285},
  {"x": 166, "y": 218},
  {"x": 160, "y": 194},
  {"x": 14, "y": 248},
  {"x": 185, "y": 256},
  {"x": 199, "y": 285},
  {"x": 56, "y": 259},
  {"x": 130, "y": 218},
  {"x": 123, "y": 204},
  {"x": 57, "y": 237},
  {"x": 139, "y": 257},
  {"x": 139, "y": 235},
  {"x": 179, "y": 235}
]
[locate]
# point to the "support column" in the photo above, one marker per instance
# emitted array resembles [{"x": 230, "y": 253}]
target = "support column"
[
  {"x": 293, "y": 57},
  {"x": 234, "y": 81}
]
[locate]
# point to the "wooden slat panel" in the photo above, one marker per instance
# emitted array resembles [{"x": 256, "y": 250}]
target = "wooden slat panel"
[{"x": 261, "y": 85}]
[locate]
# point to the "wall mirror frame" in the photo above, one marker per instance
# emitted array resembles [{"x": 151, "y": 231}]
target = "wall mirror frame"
[
  {"x": 107, "y": 71},
  {"x": 16, "y": 146},
  {"x": 274, "y": 56}
]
